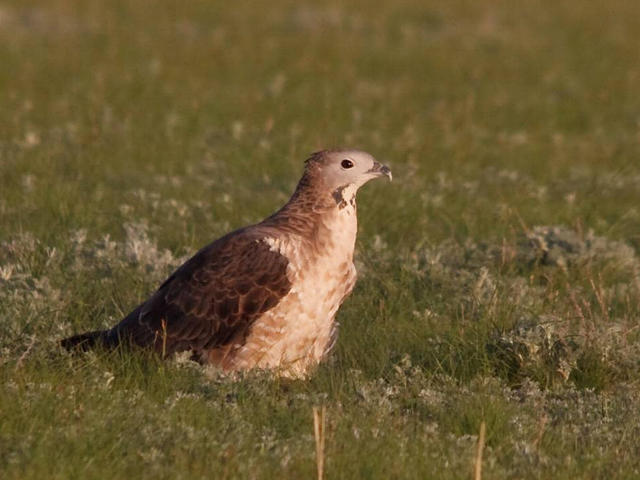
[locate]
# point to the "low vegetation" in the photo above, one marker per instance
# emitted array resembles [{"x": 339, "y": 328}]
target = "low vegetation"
[{"x": 499, "y": 272}]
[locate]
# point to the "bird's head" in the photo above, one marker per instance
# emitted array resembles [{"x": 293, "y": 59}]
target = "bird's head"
[{"x": 341, "y": 170}]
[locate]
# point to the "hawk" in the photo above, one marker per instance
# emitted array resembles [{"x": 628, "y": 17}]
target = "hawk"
[{"x": 264, "y": 296}]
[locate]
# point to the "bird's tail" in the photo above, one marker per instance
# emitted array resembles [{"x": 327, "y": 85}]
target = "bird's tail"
[{"x": 87, "y": 341}]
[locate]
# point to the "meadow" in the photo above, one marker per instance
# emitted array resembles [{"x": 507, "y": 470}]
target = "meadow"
[{"x": 499, "y": 274}]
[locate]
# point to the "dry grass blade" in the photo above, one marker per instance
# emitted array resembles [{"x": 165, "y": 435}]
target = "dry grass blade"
[
  {"x": 25, "y": 353},
  {"x": 318, "y": 430},
  {"x": 477, "y": 470},
  {"x": 601, "y": 299},
  {"x": 544, "y": 419},
  {"x": 164, "y": 338}
]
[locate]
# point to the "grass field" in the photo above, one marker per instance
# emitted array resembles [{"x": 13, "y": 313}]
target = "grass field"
[{"x": 499, "y": 272}]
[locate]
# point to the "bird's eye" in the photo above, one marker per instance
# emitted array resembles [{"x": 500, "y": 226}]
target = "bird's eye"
[{"x": 346, "y": 164}]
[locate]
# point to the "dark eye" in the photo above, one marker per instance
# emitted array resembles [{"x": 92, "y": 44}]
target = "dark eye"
[{"x": 346, "y": 164}]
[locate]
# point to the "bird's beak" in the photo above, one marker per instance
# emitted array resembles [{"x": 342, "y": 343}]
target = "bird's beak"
[{"x": 380, "y": 170}]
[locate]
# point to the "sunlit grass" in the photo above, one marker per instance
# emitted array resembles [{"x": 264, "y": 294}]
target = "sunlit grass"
[{"x": 133, "y": 133}]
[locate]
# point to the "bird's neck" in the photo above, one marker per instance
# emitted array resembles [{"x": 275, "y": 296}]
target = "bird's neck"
[{"x": 312, "y": 207}]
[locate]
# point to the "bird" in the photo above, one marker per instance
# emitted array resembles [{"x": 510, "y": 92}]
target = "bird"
[{"x": 264, "y": 296}]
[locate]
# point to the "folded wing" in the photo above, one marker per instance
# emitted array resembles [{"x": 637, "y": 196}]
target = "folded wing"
[{"x": 212, "y": 299}]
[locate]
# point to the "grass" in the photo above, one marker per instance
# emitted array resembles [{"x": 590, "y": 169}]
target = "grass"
[{"x": 499, "y": 273}]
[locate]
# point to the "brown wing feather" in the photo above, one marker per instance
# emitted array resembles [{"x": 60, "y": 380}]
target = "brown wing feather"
[{"x": 211, "y": 299}]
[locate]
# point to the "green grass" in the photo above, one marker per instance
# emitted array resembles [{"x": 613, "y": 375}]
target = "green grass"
[{"x": 134, "y": 132}]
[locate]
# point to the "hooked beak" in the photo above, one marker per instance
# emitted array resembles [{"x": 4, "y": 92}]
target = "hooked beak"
[{"x": 380, "y": 170}]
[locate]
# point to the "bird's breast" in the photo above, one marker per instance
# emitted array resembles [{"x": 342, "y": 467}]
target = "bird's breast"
[{"x": 294, "y": 334}]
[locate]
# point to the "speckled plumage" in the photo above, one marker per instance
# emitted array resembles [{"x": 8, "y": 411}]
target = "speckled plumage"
[{"x": 264, "y": 296}]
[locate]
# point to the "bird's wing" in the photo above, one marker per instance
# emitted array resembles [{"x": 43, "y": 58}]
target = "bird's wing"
[{"x": 211, "y": 299}]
